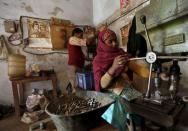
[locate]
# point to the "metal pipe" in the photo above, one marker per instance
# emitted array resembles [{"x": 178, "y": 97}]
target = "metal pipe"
[
  {"x": 160, "y": 57},
  {"x": 139, "y": 58},
  {"x": 172, "y": 57},
  {"x": 143, "y": 21},
  {"x": 149, "y": 41},
  {"x": 149, "y": 81}
]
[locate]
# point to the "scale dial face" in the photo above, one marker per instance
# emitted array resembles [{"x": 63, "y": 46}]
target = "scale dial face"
[{"x": 151, "y": 57}]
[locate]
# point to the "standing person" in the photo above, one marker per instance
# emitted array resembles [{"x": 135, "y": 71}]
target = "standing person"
[{"x": 76, "y": 58}]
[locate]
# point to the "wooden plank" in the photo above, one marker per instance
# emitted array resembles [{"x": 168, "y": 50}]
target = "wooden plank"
[
  {"x": 16, "y": 99},
  {"x": 21, "y": 94},
  {"x": 32, "y": 79}
]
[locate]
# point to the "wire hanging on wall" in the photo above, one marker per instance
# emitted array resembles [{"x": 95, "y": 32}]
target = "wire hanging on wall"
[
  {"x": 17, "y": 39},
  {"x": 46, "y": 53},
  {"x": 123, "y": 14},
  {"x": 8, "y": 19}
]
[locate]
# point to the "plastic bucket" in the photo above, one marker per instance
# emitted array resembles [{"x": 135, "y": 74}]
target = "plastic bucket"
[{"x": 82, "y": 121}]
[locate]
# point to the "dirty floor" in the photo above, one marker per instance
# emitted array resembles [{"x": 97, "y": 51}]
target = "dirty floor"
[{"x": 11, "y": 123}]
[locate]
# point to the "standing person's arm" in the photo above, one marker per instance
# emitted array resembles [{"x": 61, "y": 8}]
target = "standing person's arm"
[{"x": 77, "y": 41}]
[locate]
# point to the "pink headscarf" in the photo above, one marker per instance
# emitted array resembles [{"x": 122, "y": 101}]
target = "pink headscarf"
[{"x": 105, "y": 57}]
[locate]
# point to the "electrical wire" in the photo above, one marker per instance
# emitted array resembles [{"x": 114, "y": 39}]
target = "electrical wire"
[
  {"x": 51, "y": 52},
  {"x": 22, "y": 41},
  {"x": 126, "y": 13},
  {"x": 15, "y": 37},
  {"x": 8, "y": 19}
]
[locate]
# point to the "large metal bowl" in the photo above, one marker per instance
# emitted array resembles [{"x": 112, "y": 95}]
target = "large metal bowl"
[{"x": 82, "y": 121}]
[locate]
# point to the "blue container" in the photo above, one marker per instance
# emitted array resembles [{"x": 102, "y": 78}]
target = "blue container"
[{"x": 85, "y": 80}]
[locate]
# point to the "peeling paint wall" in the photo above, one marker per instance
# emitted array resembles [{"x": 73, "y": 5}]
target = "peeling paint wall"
[
  {"x": 102, "y": 9},
  {"x": 79, "y": 12},
  {"x": 108, "y": 11}
]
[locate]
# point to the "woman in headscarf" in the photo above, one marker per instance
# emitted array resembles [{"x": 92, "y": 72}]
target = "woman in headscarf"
[
  {"x": 109, "y": 67},
  {"x": 110, "y": 60}
]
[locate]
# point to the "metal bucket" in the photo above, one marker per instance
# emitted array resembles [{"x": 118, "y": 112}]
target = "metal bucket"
[{"x": 82, "y": 121}]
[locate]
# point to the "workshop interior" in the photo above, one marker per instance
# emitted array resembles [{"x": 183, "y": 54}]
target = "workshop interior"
[{"x": 93, "y": 65}]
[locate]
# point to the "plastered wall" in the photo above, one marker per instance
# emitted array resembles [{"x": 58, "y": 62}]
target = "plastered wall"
[
  {"x": 102, "y": 9},
  {"x": 79, "y": 12}
]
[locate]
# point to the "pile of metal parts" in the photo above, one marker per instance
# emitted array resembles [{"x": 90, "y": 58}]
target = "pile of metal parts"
[{"x": 72, "y": 104}]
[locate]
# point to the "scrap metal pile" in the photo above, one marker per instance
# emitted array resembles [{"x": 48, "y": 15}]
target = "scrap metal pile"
[{"x": 72, "y": 104}]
